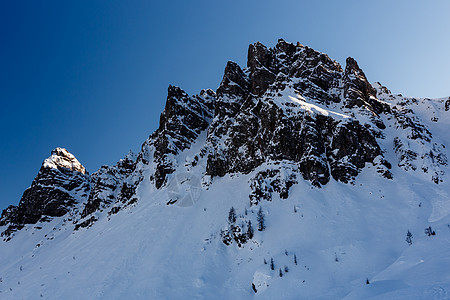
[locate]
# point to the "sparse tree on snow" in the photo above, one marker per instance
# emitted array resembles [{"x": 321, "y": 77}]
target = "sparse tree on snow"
[
  {"x": 250, "y": 231},
  {"x": 272, "y": 265},
  {"x": 260, "y": 219},
  {"x": 295, "y": 259},
  {"x": 232, "y": 216},
  {"x": 409, "y": 238},
  {"x": 429, "y": 231},
  {"x": 281, "y": 273}
]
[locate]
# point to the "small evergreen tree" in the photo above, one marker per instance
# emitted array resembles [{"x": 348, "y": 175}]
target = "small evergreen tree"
[
  {"x": 272, "y": 265},
  {"x": 367, "y": 281},
  {"x": 295, "y": 209},
  {"x": 260, "y": 219},
  {"x": 265, "y": 261},
  {"x": 409, "y": 238},
  {"x": 295, "y": 259},
  {"x": 281, "y": 273},
  {"x": 232, "y": 216},
  {"x": 250, "y": 231},
  {"x": 286, "y": 252},
  {"x": 286, "y": 269},
  {"x": 429, "y": 231}
]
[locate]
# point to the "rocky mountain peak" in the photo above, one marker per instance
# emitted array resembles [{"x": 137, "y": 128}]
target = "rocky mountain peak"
[
  {"x": 314, "y": 72},
  {"x": 234, "y": 83},
  {"x": 293, "y": 113},
  {"x": 61, "y": 184},
  {"x": 358, "y": 91},
  {"x": 61, "y": 158}
]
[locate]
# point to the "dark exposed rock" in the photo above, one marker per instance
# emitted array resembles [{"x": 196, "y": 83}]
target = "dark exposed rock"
[
  {"x": 318, "y": 73},
  {"x": 257, "y": 129},
  {"x": 359, "y": 92},
  {"x": 86, "y": 223},
  {"x": 262, "y": 131},
  {"x": 263, "y": 69},
  {"x": 416, "y": 148},
  {"x": 62, "y": 182},
  {"x": 264, "y": 183},
  {"x": 406, "y": 156},
  {"x": 234, "y": 84},
  {"x": 352, "y": 146},
  {"x": 406, "y": 120},
  {"x": 314, "y": 137},
  {"x": 8, "y": 214},
  {"x": 357, "y": 89},
  {"x": 182, "y": 120},
  {"x": 109, "y": 185},
  {"x": 382, "y": 89}
]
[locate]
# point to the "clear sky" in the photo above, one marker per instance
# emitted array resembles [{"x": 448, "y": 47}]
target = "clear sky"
[{"x": 92, "y": 76}]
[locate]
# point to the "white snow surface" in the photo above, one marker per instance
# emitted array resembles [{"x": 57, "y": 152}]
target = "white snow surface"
[
  {"x": 341, "y": 235},
  {"x": 291, "y": 99}
]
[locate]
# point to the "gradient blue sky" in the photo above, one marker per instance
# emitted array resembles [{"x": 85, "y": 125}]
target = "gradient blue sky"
[{"x": 92, "y": 76}]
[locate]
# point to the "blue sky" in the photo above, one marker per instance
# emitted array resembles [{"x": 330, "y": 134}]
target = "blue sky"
[{"x": 92, "y": 76}]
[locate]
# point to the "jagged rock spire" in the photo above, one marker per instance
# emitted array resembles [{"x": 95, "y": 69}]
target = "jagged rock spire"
[
  {"x": 182, "y": 120},
  {"x": 62, "y": 182}
]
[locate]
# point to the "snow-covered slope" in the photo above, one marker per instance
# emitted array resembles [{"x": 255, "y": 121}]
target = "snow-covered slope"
[{"x": 340, "y": 170}]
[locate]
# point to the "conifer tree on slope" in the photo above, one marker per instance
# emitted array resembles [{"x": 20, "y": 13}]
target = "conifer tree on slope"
[{"x": 260, "y": 219}]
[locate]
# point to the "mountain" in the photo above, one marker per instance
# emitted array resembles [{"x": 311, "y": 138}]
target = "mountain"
[{"x": 295, "y": 179}]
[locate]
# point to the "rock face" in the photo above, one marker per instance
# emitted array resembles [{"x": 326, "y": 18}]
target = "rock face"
[
  {"x": 182, "y": 120},
  {"x": 262, "y": 124},
  {"x": 293, "y": 113},
  {"x": 61, "y": 184},
  {"x": 112, "y": 188},
  {"x": 415, "y": 147},
  {"x": 109, "y": 185}
]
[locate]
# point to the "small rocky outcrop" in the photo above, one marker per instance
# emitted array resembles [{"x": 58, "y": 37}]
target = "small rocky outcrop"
[
  {"x": 278, "y": 178},
  {"x": 415, "y": 146}
]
